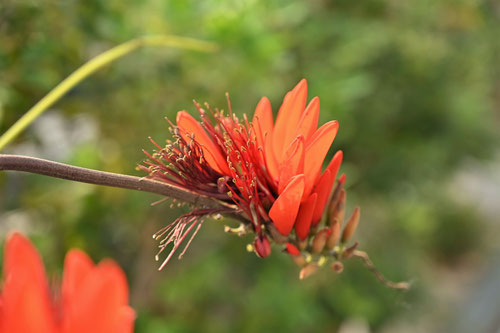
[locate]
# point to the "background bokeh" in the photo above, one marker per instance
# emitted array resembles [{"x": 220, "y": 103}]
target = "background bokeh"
[{"x": 414, "y": 85}]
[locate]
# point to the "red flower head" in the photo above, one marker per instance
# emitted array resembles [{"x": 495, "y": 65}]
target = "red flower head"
[
  {"x": 92, "y": 298},
  {"x": 272, "y": 171}
]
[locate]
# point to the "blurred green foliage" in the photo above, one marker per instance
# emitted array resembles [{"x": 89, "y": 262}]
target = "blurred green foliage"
[{"x": 414, "y": 86}]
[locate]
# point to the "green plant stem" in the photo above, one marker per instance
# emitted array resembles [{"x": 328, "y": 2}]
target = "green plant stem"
[{"x": 93, "y": 65}]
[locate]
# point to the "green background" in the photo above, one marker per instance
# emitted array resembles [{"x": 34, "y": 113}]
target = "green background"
[{"x": 414, "y": 85}]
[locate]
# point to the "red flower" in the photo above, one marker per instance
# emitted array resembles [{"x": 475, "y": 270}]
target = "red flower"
[
  {"x": 92, "y": 298},
  {"x": 294, "y": 153},
  {"x": 270, "y": 170}
]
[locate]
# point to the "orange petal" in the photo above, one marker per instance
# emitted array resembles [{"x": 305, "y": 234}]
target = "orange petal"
[
  {"x": 100, "y": 303},
  {"x": 262, "y": 121},
  {"x": 309, "y": 120},
  {"x": 304, "y": 217},
  {"x": 324, "y": 185},
  {"x": 271, "y": 164},
  {"x": 293, "y": 163},
  {"x": 316, "y": 150},
  {"x": 189, "y": 126},
  {"x": 342, "y": 178},
  {"x": 26, "y": 299},
  {"x": 292, "y": 249},
  {"x": 280, "y": 131},
  {"x": 285, "y": 208},
  {"x": 288, "y": 118},
  {"x": 77, "y": 266},
  {"x": 127, "y": 317},
  {"x": 323, "y": 189},
  {"x": 334, "y": 165}
]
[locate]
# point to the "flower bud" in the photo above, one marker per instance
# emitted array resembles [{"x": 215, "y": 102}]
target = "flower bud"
[
  {"x": 292, "y": 249},
  {"x": 262, "y": 246},
  {"x": 337, "y": 208},
  {"x": 351, "y": 226},
  {"x": 319, "y": 240},
  {"x": 336, "y": 191},
  {"x": 332, "y": 203},
  {"x": 308, "y": 270},
  {"x": 334, "y": 237},
  {"x": 348, "y": 253},
  {"x": 337, "y": 267},
  {"x": 302, "y": 244},
  {"x": 295, "y": 254}
]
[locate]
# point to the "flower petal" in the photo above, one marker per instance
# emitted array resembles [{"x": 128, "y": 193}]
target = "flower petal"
[
  {"x": 285, "y": 208},
  {"x": 292, "y": 249},
  {"x": 293, "y": 163},
  {"x": 262, "y": 121},
  {"x": 316, "y": 150},
  {"x": 324, "y": 186},
  {"x": 271, "y": 163},
  {"x": 189, "y": 126},
  {"x": 334, "y": 164},
  {"x": 304, "y": 217},
  {"x": 100, "y": 302},
  {"x": 288, "y": 118},
  {"x": 309, "y": 120},
  {"x": 26, "y": 299},
  {"x": 77, "y": 265},
  {"x": 323, "y": 189}
]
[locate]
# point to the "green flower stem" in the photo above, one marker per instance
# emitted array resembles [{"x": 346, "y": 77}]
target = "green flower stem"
[{"x": 93, "y": 65}]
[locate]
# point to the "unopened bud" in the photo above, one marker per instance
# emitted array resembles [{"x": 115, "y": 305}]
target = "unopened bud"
[
  {"x": 337, "y": 267},
  {"x": 336, "y": 191},
  {"x": 319, "y": 240},
  {"x": 292, "y": 249},
  {"x": 334, "y": 234},
  {"x": 308, "y": 270},
  {"x": 351, "y": 226},
  {"x": 302, "y": 244},
  {"x": 347, "y": 253},
  {"x": 332, "y": 203},
  {"x": 337, "y": 208},
  {"x": 299, "y": 260},
  {"x": 342, "y": 179},
  {"x": 262, "y": 246},
  {"x": 295, "y": 254}
]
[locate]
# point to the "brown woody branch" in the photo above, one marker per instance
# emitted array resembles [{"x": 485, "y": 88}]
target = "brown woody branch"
[{"x": 74, "y": 173}]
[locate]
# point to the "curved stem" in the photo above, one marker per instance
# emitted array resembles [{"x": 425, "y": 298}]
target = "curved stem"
[
  {"x": 369, "y": 264},
  {"x": 74, "y": 173},
  {"x": 93, "y": 65}
]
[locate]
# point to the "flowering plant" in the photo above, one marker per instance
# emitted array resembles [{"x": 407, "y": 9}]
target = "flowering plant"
[{"x": 266, "y": 174}]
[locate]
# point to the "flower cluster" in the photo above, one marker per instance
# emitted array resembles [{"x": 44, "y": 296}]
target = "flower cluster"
[
  {"x": 92, "y": 298},
  {"x": 270, "y": 171}
]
